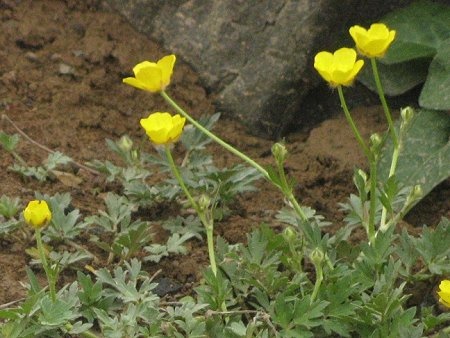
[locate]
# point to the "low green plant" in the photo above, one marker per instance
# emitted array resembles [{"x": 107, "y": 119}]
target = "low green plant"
[{"x": 299, "y": 282}]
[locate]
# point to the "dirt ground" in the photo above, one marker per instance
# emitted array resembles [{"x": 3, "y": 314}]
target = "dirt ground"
[{"x": 61, "y": 70}]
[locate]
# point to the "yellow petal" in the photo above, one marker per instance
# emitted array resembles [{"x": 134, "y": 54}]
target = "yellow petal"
[
  {"x": 150, "y": 77},
  {"x": 142, "y": 65},
  {"x": 359, "y": 35},
  {"x": 323, "y": 63},
  {"x": 177, "y": 127},
  {"x": 344, "y": 59},
  {"x": 166, "y": 65},
  {"x": 134, "y": 83},
  {"x": 163, "y": 128}
]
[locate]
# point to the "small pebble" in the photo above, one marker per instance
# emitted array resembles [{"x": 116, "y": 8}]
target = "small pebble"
[
  {"x": 30, "y": 56},
  {"x": 65, "y": 69}
]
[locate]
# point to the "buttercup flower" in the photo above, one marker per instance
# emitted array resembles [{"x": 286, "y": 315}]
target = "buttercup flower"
[
  {"x": 37, "y": 214},
  {"x": 444, "y": 292},
  {"x": 339, "y": 68},
  {"x": 163, "y": 128},
  {"x": 151, "y": 76},
  {"x": 373, "y": 42}
]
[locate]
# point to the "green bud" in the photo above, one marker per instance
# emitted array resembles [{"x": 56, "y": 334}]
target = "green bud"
[
  {"x": 134, "y": 154},
  {"x": 279, "y": 151},
  {"x": 317, "y": 256},
  {"x": 375, "y": 140},
  {"x": 407, "y": 115},
  {"x": 417, "y": 192},
  {"x": 204, "y": 202},
  {"x": 289, "y": 234},
  {"x": 125, "y": 143},
  {"x": 362, "y": 174}
]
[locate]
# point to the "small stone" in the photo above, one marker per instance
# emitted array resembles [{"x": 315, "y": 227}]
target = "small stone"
[
  {"x": 30, "y": 56},
  {"x": 65, "y": 69},
  {"x": 56, "y": 57}
]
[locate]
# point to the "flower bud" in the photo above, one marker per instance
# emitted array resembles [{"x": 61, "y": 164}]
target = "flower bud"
[
  {"x": 125, "y": 143},
  {"x": 37, "y": 214},
  {"x": 289, "y": 234},
  {"x": 134, "y": 155},
  {"x": 417, "y": 192},
  {"x": 376, "y": 140},
  {"x": 362, "y": 174},
  {"x": 204, "y": 202},
  {"x": 317, "y": 256},
  {"x": 279, "y": 151},
  {"x": 407, "y": 115}
]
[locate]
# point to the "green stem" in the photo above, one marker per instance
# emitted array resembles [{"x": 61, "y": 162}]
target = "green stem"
[
  {"x": 392, "y": 169},
  {"x": 19, "y": 159},
  {"x": 317, "y": 284},
  {"x": 177, "y": 175},
  {"x": 211, "y": 253},
  {"x": 214, "y": 137},
  {"x": 208, "y": 224},
  {"x": 372, "y": 163},
  {"x": 287, "y": 192},
  {"x": 234, "y": 151},
  {"x": 350, "y": 121},
  {"x": 380, "y": 91},
  {"x": 50, "y": 277},
  {"x": 394, "y": 136},
  {"x": 373, "y": 200},
  {"x": 298, "y": 209}
]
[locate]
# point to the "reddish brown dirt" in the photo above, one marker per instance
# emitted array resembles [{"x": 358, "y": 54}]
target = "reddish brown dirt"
[{"x": 61, "y": 66}]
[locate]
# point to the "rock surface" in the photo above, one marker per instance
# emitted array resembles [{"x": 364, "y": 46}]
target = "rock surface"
[{"x": 254, "y": 56}]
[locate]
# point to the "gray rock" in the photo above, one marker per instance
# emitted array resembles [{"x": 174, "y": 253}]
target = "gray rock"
[{"x": 255, "y": 56}]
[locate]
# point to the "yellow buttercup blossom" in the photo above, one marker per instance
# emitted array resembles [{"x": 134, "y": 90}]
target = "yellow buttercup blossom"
[
  {"x": 444, "y": 292},
  {"x": 163, "y": 128},
  {"x": 373, "y": 42},
  {"x": 152, "y": 76},
  {"x": 37, "y": 214},
  {"x": 339, "y": 68}
]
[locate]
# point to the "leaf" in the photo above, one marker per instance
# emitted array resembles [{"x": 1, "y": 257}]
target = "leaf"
[
  {"x": 421, "y": 28},
  {"x": 9, "y": 142},
  {"x": 396, "y": 78},
  {"x": 435, "y": 93},
  {"x": 55, "y": 159},
  {"x": 422, "y": 33},
  {"x": 425, "y": 156}
]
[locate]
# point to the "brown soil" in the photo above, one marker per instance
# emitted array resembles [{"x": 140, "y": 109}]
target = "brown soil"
[{"x": 61, "y": 70}]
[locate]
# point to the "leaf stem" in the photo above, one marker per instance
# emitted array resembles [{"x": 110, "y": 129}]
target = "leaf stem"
[{"x": 29, "y": 139}]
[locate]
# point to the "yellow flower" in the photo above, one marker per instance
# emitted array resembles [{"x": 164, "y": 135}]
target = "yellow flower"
[
  {"x": 163, "y": 128},
  {"x": 339, "y": 68},
  {"x": 37, "y": 214},
  {"x": 151, "y": 76},
  {"x": 373, "y": 42},
  {"x": 444, "y": 292}
]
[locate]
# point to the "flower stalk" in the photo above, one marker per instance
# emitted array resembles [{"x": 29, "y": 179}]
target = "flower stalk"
[
  {"x": 392, "y": 131},
  {"x": 218, "y": 140},
  {"x": 207, "y": 222},
  {"x": 48, "y": 271},
  {"x": 370, "y": 225}
]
